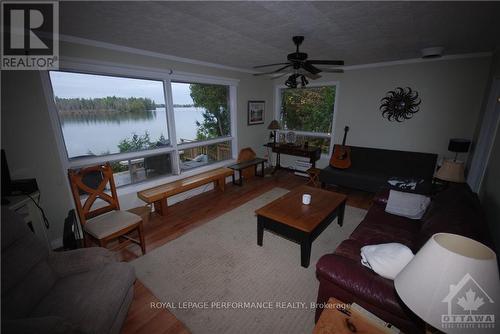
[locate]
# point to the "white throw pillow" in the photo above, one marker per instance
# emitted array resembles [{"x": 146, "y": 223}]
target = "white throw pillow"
[
  {"x": 408, "y": 205},
  {"x": 387, "y": 260}
]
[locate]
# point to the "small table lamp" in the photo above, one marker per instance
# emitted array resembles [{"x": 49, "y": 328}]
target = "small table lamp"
[
  {"x": 458, "y": 145},
  {"x": 452, "y": 281},
  {"x": 274, "y": 125}
]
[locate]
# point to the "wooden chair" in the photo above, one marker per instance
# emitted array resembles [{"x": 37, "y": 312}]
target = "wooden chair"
[
  {"x": 247, "y": 154},
  {"x": 104, "y": 223}
]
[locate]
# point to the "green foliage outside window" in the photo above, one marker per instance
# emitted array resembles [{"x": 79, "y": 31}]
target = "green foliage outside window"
[
  {"x": 216, "y": 119},
  {"x": 140, "y": 142},
  {"x": 308, "y": 109},
  {"x": 104, "y": 104},
  {"x": 136, "y": 143}
]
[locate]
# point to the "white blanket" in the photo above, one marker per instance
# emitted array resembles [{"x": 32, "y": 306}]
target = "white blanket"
[
  {"x": 387, "y": 260},
  {"x": 408, "y": 205}
]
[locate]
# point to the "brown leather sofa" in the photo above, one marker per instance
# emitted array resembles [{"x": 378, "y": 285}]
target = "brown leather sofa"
[{"x": 455, "y": 210}]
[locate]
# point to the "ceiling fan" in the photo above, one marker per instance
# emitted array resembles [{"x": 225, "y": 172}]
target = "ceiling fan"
[{"x": 301, "y": 68}]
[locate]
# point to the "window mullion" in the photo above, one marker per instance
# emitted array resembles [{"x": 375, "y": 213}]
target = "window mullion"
[
  {"x": 204, "y": 142},
  {"x": 233, "y": 120},
  {"x": 169, "y": 107},
  {"x": 87, "y": 161}
]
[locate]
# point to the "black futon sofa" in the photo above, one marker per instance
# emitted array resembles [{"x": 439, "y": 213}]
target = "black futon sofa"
[{"x": 372, "y": 167}]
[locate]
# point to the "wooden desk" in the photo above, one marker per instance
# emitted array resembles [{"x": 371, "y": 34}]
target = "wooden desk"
[
  {"x": 339, "y": 318},
  {"x": 311, "y": 152}
]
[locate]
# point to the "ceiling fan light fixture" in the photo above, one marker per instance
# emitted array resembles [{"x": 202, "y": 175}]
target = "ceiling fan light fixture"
[
  {"x": 303, "y": 80},
  {"x": 303, "y": 69},
  {"x": 291, "y": 82}
]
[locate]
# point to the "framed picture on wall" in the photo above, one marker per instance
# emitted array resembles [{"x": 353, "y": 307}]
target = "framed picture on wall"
[{"x": 256, "y": 110}]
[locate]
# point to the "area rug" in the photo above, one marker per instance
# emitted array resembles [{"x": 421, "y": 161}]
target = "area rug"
[{"x": 216, "y": 279}]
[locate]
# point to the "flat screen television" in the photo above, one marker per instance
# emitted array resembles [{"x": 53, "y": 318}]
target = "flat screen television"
[{"x": 15, "y": 187}]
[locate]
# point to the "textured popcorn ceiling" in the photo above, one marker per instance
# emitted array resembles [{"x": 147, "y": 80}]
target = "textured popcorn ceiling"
[{"x": 244, "y": 34}]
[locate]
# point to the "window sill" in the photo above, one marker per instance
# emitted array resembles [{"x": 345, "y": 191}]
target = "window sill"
[{"x": 134, "y": 188}]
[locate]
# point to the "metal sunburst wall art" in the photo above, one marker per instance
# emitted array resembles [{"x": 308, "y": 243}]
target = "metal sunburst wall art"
[{"x": 400, "y": 104}]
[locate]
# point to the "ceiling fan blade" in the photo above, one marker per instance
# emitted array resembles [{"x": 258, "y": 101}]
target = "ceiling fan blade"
[
  {"x": 278, "y": 70},
  {"x": 332, "y": 70},
  {"x": 279, "y": 75},
  {"x": 260, "y": 66},
  {"x": 310, "y": 68},
  {"x": 312, "y": 76},
  {"x": 326, "y": 62}
]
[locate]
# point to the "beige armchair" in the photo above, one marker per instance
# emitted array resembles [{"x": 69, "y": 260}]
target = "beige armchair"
[{"x": 80, "y": 291}]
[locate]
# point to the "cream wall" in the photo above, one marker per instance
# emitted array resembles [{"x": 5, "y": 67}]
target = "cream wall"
[{"x": 451, "y": 92}]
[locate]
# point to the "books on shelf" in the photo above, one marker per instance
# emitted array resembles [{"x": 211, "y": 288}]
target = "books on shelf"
[
  {"x": 301, "y": 174},
  {"x": 301, "y": 166}
]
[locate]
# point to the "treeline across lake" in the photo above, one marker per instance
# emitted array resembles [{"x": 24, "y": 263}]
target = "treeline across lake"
[{"x": 104, "y": 105}]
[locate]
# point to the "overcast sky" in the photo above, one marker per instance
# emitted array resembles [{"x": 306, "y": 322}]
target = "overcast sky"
[{"x": 72, "y": 85}]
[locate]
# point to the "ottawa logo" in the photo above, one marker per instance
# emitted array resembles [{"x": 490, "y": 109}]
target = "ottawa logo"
[{"x": 469, "y": 306}]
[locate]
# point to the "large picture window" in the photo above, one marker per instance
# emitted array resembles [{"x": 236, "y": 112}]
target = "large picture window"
[
  {"x": 309, "y": 112},
  {"x": 126, "y": 120},
  {"x": 201, "y": 111},
  {"x": 102, "y": 115},
  {"x": 204, "y": 155}
]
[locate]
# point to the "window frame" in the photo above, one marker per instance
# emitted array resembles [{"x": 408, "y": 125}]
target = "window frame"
[
  {"x": 198, "y": 143},
  {"x": 331, "y": 134},
  {"x": 77, "y": 65}
]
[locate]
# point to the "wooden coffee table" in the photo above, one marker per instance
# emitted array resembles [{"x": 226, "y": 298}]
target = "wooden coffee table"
[{"x": 288, "y": 217}]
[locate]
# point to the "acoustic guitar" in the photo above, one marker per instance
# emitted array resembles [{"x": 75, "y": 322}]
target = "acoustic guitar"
[{"x": 341, "y": 157}]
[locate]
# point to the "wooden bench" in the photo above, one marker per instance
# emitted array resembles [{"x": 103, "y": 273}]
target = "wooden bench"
[
  {"x": 246, "y": 164},
  {"x": 158, "y": 195}
]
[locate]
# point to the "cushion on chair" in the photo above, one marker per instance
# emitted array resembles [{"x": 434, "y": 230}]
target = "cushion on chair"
[{"x": 109, "y": 223}]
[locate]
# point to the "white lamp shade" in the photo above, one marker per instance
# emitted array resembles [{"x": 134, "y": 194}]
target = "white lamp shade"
[
  {"x": 449, "y": 280},
  {"x": 452, "y": 171}
]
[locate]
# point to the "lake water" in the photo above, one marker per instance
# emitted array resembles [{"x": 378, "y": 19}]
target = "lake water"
[{"x": 100, "y": 134}]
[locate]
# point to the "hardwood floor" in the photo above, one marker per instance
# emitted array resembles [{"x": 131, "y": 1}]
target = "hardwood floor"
[{"x": 187, "y": 215}]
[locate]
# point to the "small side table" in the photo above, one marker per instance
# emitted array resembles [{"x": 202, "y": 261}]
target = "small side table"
[
  {"x": 313, "y": 173},
  {"x": 239, "y": 167},
  {"x": 339, "y": 318}
]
